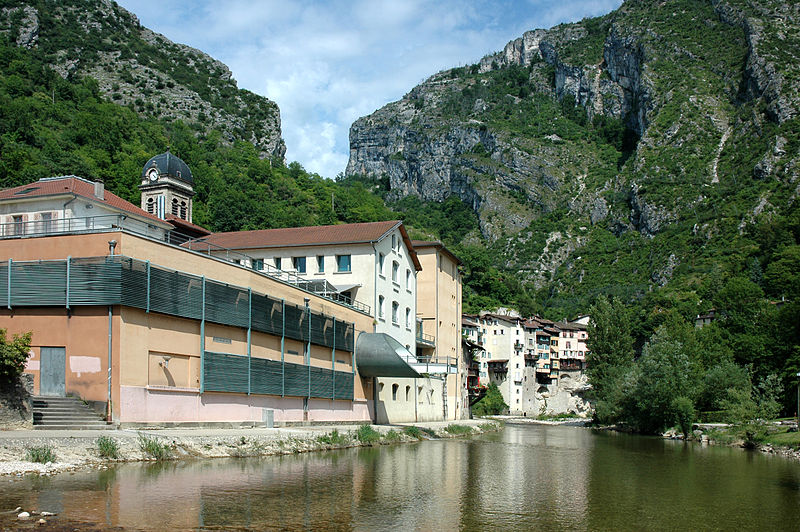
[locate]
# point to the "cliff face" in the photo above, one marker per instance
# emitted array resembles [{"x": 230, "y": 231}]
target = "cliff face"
[
  {"x": 652, "y": 120},
  {"x": 137, "y": 67}
]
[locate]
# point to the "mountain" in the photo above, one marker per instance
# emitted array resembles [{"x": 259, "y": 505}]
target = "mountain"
[
  {"x": 645, "y": 151},
  {"x": 139, "y": 68}
]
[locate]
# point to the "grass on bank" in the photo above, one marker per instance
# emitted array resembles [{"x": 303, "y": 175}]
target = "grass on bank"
[
  {"x": 107, "y": 447},
  {"x": 41, "y": 454},
  {"x": 334, "y": 437},
  {"x": 366, "y": 434},
  {"x": 557, "y": 417},
  {"x": 153, "y": 448},
  {"x": 458, "y": 429}
]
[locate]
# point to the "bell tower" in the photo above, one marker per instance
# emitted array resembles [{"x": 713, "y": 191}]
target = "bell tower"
[{"x": 167, "y": 187}]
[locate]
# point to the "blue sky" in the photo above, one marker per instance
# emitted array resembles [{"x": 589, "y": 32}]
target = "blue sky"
[{"x": 328, "y": 63}]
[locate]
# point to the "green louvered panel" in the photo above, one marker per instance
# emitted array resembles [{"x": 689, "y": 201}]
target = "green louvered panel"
[
  {"x": 321, "y": 382},
  {"x": 322, "y": 330},
  {"x": 175, "y": 293},
  {"x": 4, "y": 283},
  {"x": 225, "y": 373},
  {"x": 296, "y": 380},
  {"x": 266, "y": 376},
  {"x": 296, "y": 324},
  {"x": 343, "y": 388},
  {"x": 344, "y": 336},
  {"x": 267, "y": 315},
  {"x": 226, "y": 305},
  {"x": 38, "y": 283},
  {"x": 133, "y": 285},
  {"x": 95, "y": 281}
]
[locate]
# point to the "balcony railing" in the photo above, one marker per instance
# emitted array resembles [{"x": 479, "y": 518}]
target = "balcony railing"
[
  {"x": 117, "y": 222},
  {"x": 426, "y": 339},
  {"x": 518, "y": 345}
]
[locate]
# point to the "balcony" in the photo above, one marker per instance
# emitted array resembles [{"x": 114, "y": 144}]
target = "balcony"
[
  {"x": 574, "y": 366},
  {"x": 518, "y": 346},
  {"x": 498, "y": 366},
  {"x": 425, "y": 340},
  {"x": 434, "y": 364}
]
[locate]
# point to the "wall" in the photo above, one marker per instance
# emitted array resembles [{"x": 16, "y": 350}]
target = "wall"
[{"x": 415, "y": 400}]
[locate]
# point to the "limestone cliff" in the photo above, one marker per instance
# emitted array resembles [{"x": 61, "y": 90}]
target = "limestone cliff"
[
  {"x": 655, "y": 119},
  {"x": 137, "y": 67}
]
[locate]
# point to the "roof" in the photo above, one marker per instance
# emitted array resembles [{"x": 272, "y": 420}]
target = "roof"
[
  {"x": 319, "y": 235},
  {"x": 419, "y": 244},
  {"x": 186, "y": 226},
  {"x": 73, "y": 186},
  {"x": 169, "y": 164}
]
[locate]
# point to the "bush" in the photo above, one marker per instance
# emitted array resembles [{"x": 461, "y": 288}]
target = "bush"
[
  {"x": 334, "y": 437},
  {"x": 458, "y": 429},
  {"x": 392, "y": 436},
  {"x": 684, "y": 414},
  {"x": 492, "y": 403},
  {"x": 366, "y": 434},
  {"x": 107, "y": 447},
  {"x": 414, "y": 432},
  {"x": 13, "y": 356},
  {"x": 41, "y": 455},
  {"x": 153, "y": 448}
]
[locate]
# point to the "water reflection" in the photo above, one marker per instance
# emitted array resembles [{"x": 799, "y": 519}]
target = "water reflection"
[{"x": 523, "y": 478}]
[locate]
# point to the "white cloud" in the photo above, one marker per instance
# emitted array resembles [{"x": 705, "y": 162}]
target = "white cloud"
[{"x": 328, "y": 63}]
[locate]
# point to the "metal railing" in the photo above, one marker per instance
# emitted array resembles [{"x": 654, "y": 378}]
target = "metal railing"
[
  {"x": 427, "y": 339},
  {"x": 116, "y": 222}
]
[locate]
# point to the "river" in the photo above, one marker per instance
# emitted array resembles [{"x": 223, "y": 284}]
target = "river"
[{"x": 522, "y": 478}]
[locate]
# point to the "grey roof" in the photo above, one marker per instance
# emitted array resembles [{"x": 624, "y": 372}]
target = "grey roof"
[{"x": 171, "y": 165}]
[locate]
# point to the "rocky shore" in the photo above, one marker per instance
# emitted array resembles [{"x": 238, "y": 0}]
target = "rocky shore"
[{"x": 74, "y": 450}]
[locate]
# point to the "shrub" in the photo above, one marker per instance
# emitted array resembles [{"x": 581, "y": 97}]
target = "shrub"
[
  {"x": 414, "y": 432},
  {"x": 41, "y": 454},
  {"x": 334, "y": 437},
  {"x": 492, "y": 403},
  {"x": 107, "y": 447},
  {"x": 153, "y": 448},
  {"x": 392, "y": 436},
  {"x": 13, "y": 355},
  {"x": 366, "y": 434},
  {"x": 458, "y": 429}
]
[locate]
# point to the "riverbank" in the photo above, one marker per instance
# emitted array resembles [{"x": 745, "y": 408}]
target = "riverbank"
[{"x": 73, "y": 450}]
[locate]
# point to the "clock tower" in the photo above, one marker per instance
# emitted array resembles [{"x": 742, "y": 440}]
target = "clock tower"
[{"x": 167, "y": 187}]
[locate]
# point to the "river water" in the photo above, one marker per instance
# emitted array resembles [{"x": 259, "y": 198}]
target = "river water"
[{"x": 522, "y": 478}]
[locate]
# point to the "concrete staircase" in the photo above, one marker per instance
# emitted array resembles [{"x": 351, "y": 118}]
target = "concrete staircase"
[{"x": 65, "y": 413}]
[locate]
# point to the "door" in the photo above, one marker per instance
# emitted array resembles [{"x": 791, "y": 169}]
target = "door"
[{"x": 51, "y": 371}]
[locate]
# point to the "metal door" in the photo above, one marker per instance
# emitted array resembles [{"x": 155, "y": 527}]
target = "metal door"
[{"x": 51, "y": 371}]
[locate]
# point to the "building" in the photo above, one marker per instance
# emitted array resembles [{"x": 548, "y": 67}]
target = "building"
[
  {"x": 131, "y": 318},
  {"x": 506, "y": 363}
]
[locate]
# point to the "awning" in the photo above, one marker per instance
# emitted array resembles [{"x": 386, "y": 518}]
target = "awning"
[
  {"x": 380, "y": 355},
  {"x": 345, "y": 287}
]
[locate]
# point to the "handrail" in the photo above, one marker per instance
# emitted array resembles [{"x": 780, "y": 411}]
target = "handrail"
[{"x": 115, "y": 222}]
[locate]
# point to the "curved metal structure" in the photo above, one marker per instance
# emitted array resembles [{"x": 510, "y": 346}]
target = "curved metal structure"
[{"x": 380, "y": 355}]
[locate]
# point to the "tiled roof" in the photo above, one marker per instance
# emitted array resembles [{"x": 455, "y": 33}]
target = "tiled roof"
[
  {"x": 73, "y": 185},
  {"x": 319, "y": 235},
  {"x": 180, "y": 223}
]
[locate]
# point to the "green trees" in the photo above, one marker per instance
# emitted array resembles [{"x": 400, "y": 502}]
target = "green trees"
[
  {"x": 13, "y": 355},
  {"x": 492, "y": 403},
  {"x": 610, "y": 343}
]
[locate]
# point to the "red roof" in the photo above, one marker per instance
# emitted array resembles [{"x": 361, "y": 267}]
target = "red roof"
[
  {"x": 193, "y": 229},
  {"x": 72, "y": 185},
  {"x": 320, "y": 235}
]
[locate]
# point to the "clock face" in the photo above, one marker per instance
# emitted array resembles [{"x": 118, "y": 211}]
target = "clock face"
[{"x": 152, "y": 174}]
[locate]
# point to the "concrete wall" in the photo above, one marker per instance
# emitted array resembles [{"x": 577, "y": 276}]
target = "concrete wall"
[{"x": 410, "y": 400}]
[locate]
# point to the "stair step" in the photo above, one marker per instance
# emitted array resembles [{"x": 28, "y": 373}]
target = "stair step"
[
  {"x": 74, "y": 427},
  {"x": 65, "y": 413}
]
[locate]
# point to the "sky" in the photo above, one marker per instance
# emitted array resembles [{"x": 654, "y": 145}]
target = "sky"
[{"x": 328, "y": 63}]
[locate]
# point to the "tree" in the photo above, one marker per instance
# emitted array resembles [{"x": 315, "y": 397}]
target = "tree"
[
  {"x": 610, "y": 342},
  {"x": 752, "y": 408},
  {"x": 13, "y": 355},
  {"x": 492, "y": 403}
]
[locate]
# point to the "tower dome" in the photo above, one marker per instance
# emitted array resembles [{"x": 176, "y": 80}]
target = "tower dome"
[{"x": 168, "y": 164}]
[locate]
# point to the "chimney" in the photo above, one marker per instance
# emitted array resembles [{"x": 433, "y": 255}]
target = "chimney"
[{"x": 99, "y": 190}]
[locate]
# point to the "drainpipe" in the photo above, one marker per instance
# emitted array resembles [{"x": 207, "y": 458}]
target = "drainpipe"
[{"x": 112, "y": 245}]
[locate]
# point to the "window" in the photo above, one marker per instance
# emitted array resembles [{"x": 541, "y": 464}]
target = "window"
[
  {"x": 278, "y": 262},
  {"x": 175, "y": 209},
  {"x": 395, "y": 269},
  {"x": 394, "y": 242},
  {"x": 381, "y": 259},
  {"x": 47, "y": 222},
  {"x": 408, "y": 318},
  {"x": 299, "y": 264},
  {"x": 408, "y": 279},
  {"x": 343, "y": 263},
  {"x": 151, "y": 206},
  {"x": 408, "y": 392},
  {"x": 19, "y": 228},
  {"x": 320, "y": 263},
  {"x": 183, "y": 210},
  {"x": 395, "y": 310},
  {"x": 380, "y": 306},
  {"x": 395, "y": 386},
  {"x": 258, "y": 264}
]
